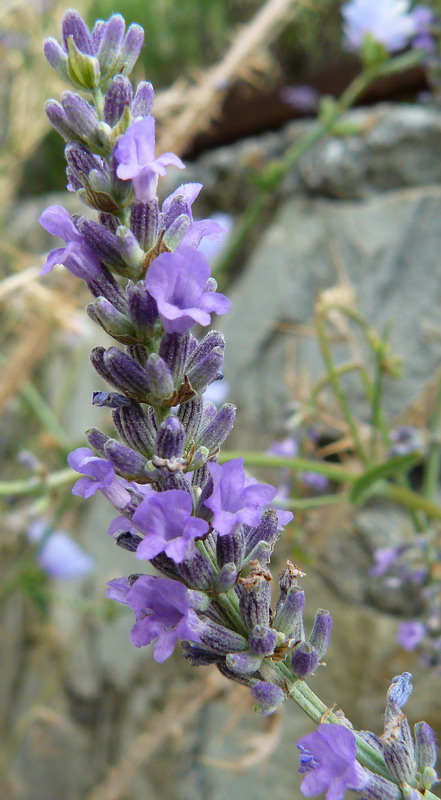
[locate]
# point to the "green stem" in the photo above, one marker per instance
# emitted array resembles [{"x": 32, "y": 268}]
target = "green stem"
[
  {"x": 317, "y": 502},
  {"x": 44, "y": 413},
  {"x": 409, "y": 499},
  {"x": 35, "y": 485},
  {"x": 256, "y": 459},
  {"x": 431, "y": 474},
  {"x": 334, "y": 379}
]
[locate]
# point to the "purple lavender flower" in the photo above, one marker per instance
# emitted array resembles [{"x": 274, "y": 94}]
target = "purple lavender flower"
[
  {"x": 236, "y": 499},
  {"x": 59, "y": 556},
  {"x": 180, "y": 203},
  {"x": 77, "y": 257},
  {"x": 98, "y": 475},
  {"x": 389, "y": 22},
  {"x": 163, "y": 612},
  {"x": 410, "y": 634},
  {"x": 179, "y": 282},
  {"x": 328, "y": 761},
  {"x": 166, "y": 518},
  {"x": 135, "y": 154},
  {"x": 215, "y": 232}
]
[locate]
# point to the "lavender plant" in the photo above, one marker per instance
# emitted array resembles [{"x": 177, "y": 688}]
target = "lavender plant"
[{"x": 204, "y": 526}]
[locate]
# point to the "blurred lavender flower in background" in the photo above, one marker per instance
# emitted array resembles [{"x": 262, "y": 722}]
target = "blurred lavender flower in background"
[
  {"x": 410, "y": 634},
  {"x": 59, "y": 556},
  {"x": 302, "y": 98},
  {"x": 406, "y": 439},
  {"x": 389, "y": 22}
]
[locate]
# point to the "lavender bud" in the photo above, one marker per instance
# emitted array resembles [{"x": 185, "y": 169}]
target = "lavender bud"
[
  {"x": 137, "y": 427},
  {"x": 175, "y": 350},
  {"x": 101, "y": 241},
  {"x": 243, "y": 663},
  {"x": 304, "y": 660},
  {"x": 399, "y": 691},
  {"x": 265, "y": 531},
  {"x": 206, "y": 371},
  {"x": 126, "y": 540},
  {"x": 230, "y": 549},
  {"x": 246, "y": 680},
  {"x": 58, "y": 120},
  {"x": 119, "y": 95},
  {"x": 56, "y": 57},
  {"x": 129, "y": 464},
  {"x": 222, "y": 640},
  {"x": 261, "y": 552},
  {"x": 131, "y": 252},
  {"x": 126, "y": 373},
  {"x": 73, "y": 25},
  {"x": 80, "y": 115},
  {"x": 255, "y": 598},
  {"x": 110, "y": 44},
  {"x": 199, "y": 656},
  {"x": 143, "y": 100},
  {"x": 109, "y": 400},
  {"x": 97, "y": 359},
  {"x": 79, "y": 164},
  {"x": 321, "y": 632},
  {"x": 197, "y": 572},
  {"x": 83, "y": 70},
  {"x": 131, "y": 49},
  {"x": 97, "y": 34},
  {"x": 170, "y": 439},
  {"x": 115, "y": 323},
  {"x": 142, "y": 306},
  {"x": 97, "y": 440},
  {"x": 104, "y": 285},
  {"x": 263, "y": 640},
  {"x": 217, "y": 431},
  {"x": 159, "y": 377},
  {"x": 398, "y": 749},
  {"x": 190, "y": 415},
  {"x": 226, "y": 578},
  {"x": 205, "y": 347},
  {"x": 268, "y": 697},
  {"x": 378, "y": 788},
  {"x": 144, "y": 222},
  {"x": 425, "y": 746},
  {"x": 289, "y": 610}
]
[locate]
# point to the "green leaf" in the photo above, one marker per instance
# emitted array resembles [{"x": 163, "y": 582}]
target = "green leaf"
[{"x": 394, "y": 466}]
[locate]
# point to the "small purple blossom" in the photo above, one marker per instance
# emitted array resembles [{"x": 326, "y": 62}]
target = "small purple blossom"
[
  {"x": 76, "y": 257},
  {"x": 166, "y": 518},
  {"x": 287, "y": 448},
  {"x": 389, "y": 22},
  {"x": 98, "y": 475},
  {"x": 59, "y": 555},
  {"x": 410, "y": 634},
  {"x": 163, "y": 612},
  {"x": 180, "y": 202},
  {"x": 179, "y": 282},
  {"x": 236, "y": 499},
  {"x": 423, "y": 19},
  {"x": 328, "y": 762},
  {"x": 135, "y": 154}
]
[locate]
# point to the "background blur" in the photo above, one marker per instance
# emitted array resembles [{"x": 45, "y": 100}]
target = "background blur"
[{"x": 83, "y": 715}]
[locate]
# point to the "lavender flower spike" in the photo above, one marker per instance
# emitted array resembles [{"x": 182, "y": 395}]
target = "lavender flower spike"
[
  {"x": 163, "y": 612},
  {"x": 236, "y": 499},
  {"x": 328, "y": 760},
  {"x": 166, "y": 518},
  {"x": 179, "y": 282},
  {"x": 77, "y": 257},
  {"x": 135, "y": 154}
]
